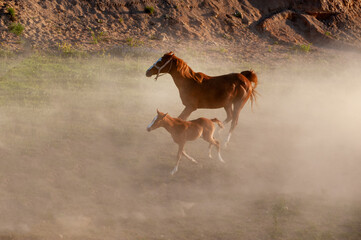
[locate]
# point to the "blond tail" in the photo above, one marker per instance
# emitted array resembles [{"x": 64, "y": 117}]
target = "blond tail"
[{"x": 252, "y": 77}]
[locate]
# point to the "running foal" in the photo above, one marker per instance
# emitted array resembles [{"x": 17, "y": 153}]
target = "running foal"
[{"x": 183, "y": 131}]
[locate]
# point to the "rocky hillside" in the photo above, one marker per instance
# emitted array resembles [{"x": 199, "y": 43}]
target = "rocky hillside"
[{"x": 94, "y": 24}]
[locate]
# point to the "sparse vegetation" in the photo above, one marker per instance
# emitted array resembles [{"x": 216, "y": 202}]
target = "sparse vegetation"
[
  {"x": 96, "y": 36},
  {"x": 68, "y": 50},
  {"x": 279, "y": 211},
  {"x": 238, "y": 14},
  {"x": 328, "y": 34},
  {"x": 226, "y": 36},
  {"x": 16, "y": 28},
  {"x": 305, "y": 48},
  {"x": 222, "y": 50},
  {"x": 149, "y": 10},
  {"x": 12, "y": 13},
  {"x": 153, "y": 37},
  {"x": 134, "y": 42},
  {"x": 120, "y": 20},
  {"x": 4, "y": 52},
  {"x": 65, "y": 48}
]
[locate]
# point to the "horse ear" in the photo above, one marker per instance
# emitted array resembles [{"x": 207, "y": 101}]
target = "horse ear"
[
  {"x": 171, "y": 53},
  {"x": 158, "y": 111},
  {"x": 164, "y": 115}
]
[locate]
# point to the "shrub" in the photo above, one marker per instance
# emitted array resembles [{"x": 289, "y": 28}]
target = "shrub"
[
  {"x": 134, "y": 42},
  {"x": 226, "y": 36},
  {"x": 65, "y": 48},
  {"x": 149, "y": 10},
  {"x": 306, "y": 47},
  {"x": 302, "y": 48},
  {"x": 238, "y": 14},
  {"x": 16, "y": 28},
  {"x": 96, "y": 36},
  {"x": 12, "y": 13}
]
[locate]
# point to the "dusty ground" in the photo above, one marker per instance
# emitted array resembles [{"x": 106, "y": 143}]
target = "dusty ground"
[{"x": 77, "y": 162}]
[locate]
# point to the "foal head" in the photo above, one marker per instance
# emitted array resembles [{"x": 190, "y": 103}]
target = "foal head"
[
  {"x": 157, "y": 121},
  {"x": 163, "y": 65}
]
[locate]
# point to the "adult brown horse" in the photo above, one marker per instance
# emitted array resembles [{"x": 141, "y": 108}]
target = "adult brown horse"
[{"x": 198, "y": 90}]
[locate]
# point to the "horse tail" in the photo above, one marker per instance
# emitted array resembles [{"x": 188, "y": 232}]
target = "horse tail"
[
  {"x": 220, "y": 124},
  {"x": 252, "y": 77}
]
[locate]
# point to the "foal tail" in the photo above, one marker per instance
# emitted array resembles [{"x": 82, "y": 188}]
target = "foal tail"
[
  {"x": 252, "y": 77},
  {"x": 220, "y": 124}
]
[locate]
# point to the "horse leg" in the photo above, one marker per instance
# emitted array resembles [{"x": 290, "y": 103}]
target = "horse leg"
[
  {"x": 228, "y": 109},
  {"x": 236, "y": 111},
  {"x": 186, "y": 112},
  {"x": 179, "y": 155}
]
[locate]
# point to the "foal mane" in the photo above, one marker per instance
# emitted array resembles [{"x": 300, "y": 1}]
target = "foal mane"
[{"x": 187, "y": 72}]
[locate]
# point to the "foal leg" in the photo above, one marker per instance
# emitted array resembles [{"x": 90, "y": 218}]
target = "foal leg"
[
  {"x": 210, "y": 150},
  {"x": 189, "y": 157},
  {"x": 186, "y": 112},
  {"x": 219, "y": 150},
  {"x": 208, "y": 136},
  {"x": 179, "y": 155}
]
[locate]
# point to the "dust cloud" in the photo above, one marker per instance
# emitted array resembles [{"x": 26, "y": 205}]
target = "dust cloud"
[{"x": 83, "y": 166}]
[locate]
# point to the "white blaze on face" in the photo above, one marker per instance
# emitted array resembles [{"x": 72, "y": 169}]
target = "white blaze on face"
[
  {"x": 160, "y": 59},
  {"x": 151, "y": 124}
]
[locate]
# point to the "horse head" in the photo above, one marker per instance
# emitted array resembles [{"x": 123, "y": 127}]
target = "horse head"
[
  {"x": 157, "y": 121},
  {"x": 163, "y": 65}
]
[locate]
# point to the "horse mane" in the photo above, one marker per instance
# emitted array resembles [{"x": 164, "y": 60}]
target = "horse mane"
[{"x": 187, "y": 72}]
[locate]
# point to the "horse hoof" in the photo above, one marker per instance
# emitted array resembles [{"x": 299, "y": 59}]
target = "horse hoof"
[
  {"x": 220, "y": 158},
  {"x": 173, "y": 171}
]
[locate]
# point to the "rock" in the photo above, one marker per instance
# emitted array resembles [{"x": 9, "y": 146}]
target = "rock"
[{"x": 163, "y": 37}]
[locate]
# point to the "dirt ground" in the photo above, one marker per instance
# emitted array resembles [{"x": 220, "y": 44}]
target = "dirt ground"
[{"x": 78, "y": 163}]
